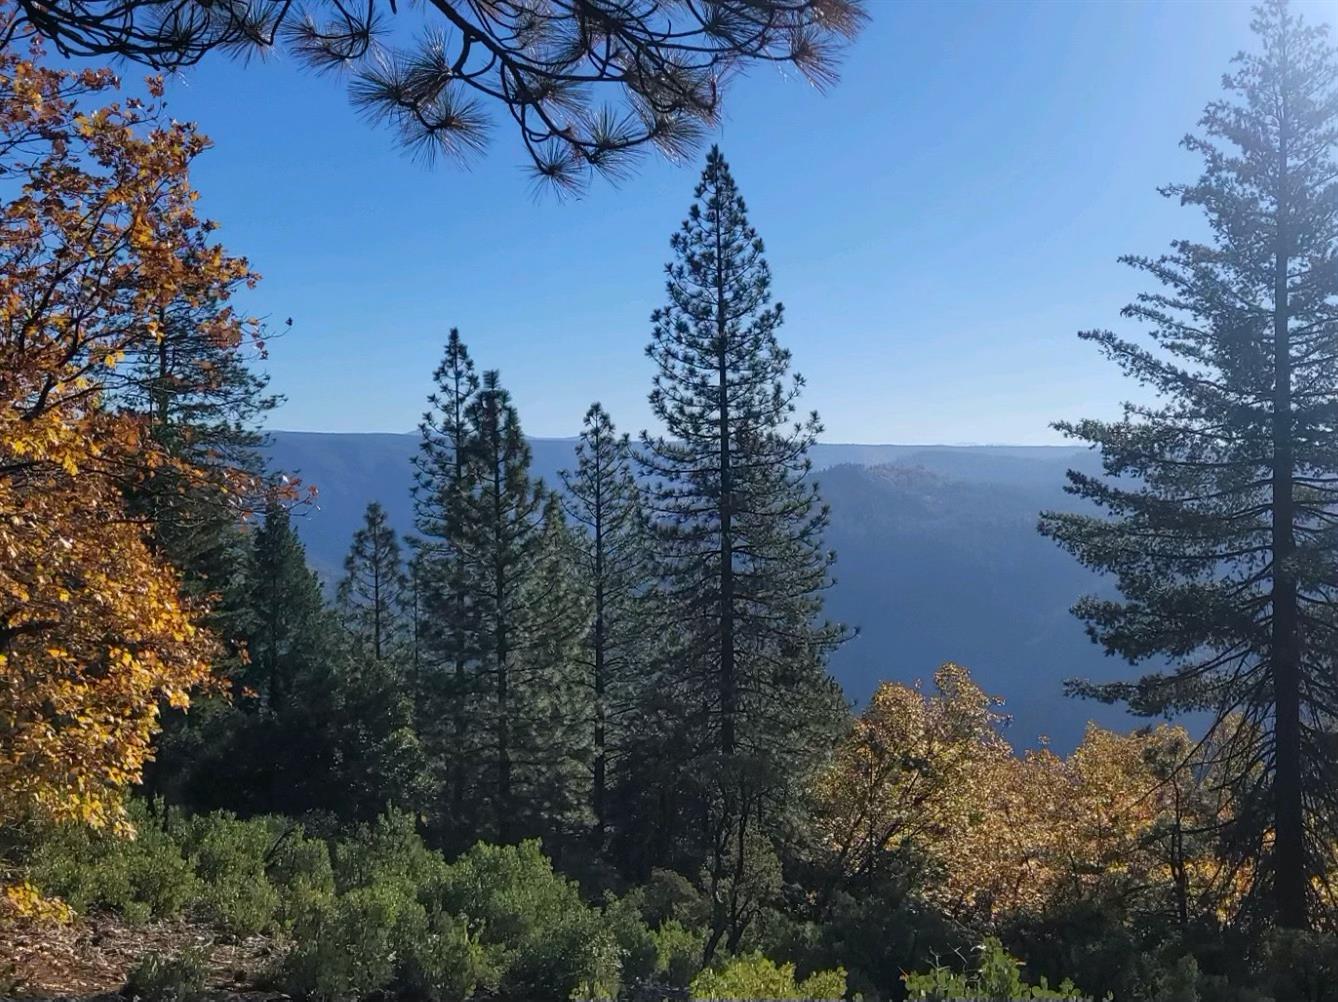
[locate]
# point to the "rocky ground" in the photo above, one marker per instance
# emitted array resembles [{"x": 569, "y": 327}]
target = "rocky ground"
[{"x": 89, "y": 959}]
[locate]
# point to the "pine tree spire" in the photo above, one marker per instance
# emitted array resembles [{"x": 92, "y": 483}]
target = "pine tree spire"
[{"x": 1219, "y": 496}]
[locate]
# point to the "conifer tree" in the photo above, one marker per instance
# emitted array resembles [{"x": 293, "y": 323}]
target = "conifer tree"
[
  {"x": 287, "y": 615},
  {"x": 556, "y": 702},
  {"x": 498, "y": 540},
  {"x": 374, "y": 591},
  {"x": 443, "y": 624},
  {"x": 1219, "y": 495},
  {"x": 738, "y": 523},
  {"x": 603, "y": 499}
]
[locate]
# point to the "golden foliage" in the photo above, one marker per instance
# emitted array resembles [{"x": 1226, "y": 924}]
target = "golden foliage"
[
  {"x": 1124, "y": 814},
  {"x": 98, "y": 237}
]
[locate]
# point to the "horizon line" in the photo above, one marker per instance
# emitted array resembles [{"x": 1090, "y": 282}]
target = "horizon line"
[{"x": 875, "y": 445}]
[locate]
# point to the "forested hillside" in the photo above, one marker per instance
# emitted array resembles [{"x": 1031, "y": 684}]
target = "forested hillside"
[
  {"x": 938, "y": 559},
  {"x": 700, "y": 711}
]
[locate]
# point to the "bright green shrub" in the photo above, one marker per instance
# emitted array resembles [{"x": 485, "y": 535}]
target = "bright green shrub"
[
  {"x": 140, "y": 879},
  {"x": 753, "y": 976},
  {"x": 346, "y": 947},
  {"x": 637, "y": 948},
  {"x": 574, "y": 958},
  {"x": 997, "y": 976},
  {"x": 442, "y": 962},
  {"x": 379, "y": 938},
  {"x": 387, "y": 851},
  {"x": 161, "y": 978},
  {"x": 229, "y": 856},
  {"x": 678, "y": 953},
  {"x": 540, "y": 937},
  {"x": 824, "y": 985}
]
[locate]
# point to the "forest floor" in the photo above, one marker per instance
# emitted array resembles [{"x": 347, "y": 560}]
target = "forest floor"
[{"x": 90, "y": 958}]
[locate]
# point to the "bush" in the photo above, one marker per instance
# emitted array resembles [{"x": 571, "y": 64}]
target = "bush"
[
  {"x": 637, "y": 946},
  {"x": 379, "y": 938},
  {"x": 161, "y": 978},
  {"x": 387, "y": 851},
  {"x": 541, "y": 939},
  {"x": 229, "y": 856},
  {"x": 753, "y": 976},
  {"x": 442, "y": 961},
  {"x": 997, "y": 976},
  {"x": 347, "y": 946},
  {"x": 678, "y": 953},
  {"x": 143, "y": 878}
]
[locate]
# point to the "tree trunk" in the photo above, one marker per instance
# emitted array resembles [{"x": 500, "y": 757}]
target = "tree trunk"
[{"x": 1289, "y": 865}]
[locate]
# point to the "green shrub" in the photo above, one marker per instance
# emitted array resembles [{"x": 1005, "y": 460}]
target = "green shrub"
[
  {"x": 678, "y": 953},
  {"x": 442, "y": 961},
  {"x": 997, "y": 976},
  {"x": 347, "y": 946},
  {"x": 162, "y": 978},
  {"x": 753, "y": 976},
  {"x": 541, "y": 939},
  {"x": 387, "y": 851},
  {"x": 379, "y": 938},
  {"x": 229, "y": 856},
  {"x": 142, "y": 878},
  {"x": 637, "y": 947}
]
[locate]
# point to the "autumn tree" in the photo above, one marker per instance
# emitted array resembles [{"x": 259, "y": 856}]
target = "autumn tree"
[
  {"x": 586, "y": 86},
  {"x": 908, "y": 775},
  {"x": 737, "y": 520},
  {"x": 98, "y": 236},
  {"x": 1218, "y": 494},
  {"x": 374, "y": 590},
  {"x": 603, "y": 500}
]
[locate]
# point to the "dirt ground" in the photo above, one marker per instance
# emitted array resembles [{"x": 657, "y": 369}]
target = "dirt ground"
[{"x": 89, "y": 959}]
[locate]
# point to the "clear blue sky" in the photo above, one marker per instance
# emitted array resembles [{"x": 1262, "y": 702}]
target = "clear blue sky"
[{"x": 939, "y": 226}]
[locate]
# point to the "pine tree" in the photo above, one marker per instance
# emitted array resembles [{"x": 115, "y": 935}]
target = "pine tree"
[
  {"x": 443, "y": 623},
  {"x": 602, "y": 497},
  {"x": 374, "y": 591},
  {"x": 556, "y": 701},
  {"x": 498, "y": 539},
  {"x": 738, "y": 522},
  {"x": 288, "y": 624},
  {"x": 1219, "y": 495},
  {"x": 203, "y": 404}
]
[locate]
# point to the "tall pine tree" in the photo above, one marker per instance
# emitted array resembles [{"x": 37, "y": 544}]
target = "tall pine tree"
[
  {"x": 1219, "y": 495},
  {"x": 498, "y": 540},
  {"x": 444, "y": 658},
  {"x": 738, "y": 526},
  {"x": 603, "y": 499}
]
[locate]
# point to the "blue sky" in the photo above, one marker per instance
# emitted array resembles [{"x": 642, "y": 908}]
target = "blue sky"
[{"x": 939, "y": 226}]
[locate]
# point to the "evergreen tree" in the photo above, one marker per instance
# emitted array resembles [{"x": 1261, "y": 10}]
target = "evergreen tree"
[
  {"x": 199, "y": 399},
  {"x": 603, "y": 499},
  {"x": 498, "y": 540},
  {"x": 203, "y": 403},
  {"x": 557, "y": 699},
  {"x": 443, "y": 624},
  {"x": 738, "y": 524},
  {"x": 1219, "y": 495},
  {"x": 374, "y": 591},
  {"x": 288, "y": 625}
]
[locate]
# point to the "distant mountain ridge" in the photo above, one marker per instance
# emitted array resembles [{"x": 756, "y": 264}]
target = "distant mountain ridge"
[{"x": 938, "y": 558}]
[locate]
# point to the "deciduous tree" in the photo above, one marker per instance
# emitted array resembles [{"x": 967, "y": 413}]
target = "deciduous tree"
[{"x": 99, "y": 234}]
